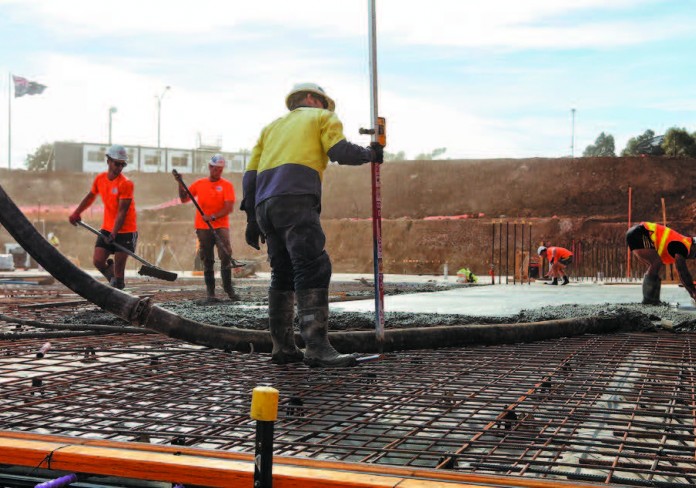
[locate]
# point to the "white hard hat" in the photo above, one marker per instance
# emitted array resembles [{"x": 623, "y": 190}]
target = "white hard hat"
[
  {"x": 118, "y": 153},
  {"x": 541, "y": 249},
  {"x": 310, "y": 88},
  {"x": 218, "y": 160}
]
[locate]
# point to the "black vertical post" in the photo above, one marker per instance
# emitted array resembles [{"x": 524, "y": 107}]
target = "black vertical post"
[
  {"x": 264, "y": 409},
  {"x": 594, "y": 261},
  {"x": 507, "y": 252},
  {"x": 500, "y": 252},
  {"x": 529, "y": 282},
  {"x": 263, "y": 454},
  {"x": 522, "y": 270},
  {"x": 493, "y": 256},
  {"x": 514, "y": 253}
]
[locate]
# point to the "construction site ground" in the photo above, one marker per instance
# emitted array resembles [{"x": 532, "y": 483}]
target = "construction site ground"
[
  {"x": 615, "y": 408},
  {"x": 410, "y": 300}
]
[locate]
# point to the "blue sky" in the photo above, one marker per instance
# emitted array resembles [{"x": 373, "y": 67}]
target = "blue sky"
[{"x": 483, "y": 79}]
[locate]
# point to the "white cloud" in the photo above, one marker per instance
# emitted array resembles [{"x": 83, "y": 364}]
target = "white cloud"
[
  {"x": 497, "y": 23},
  {"x": 204, "y": 17},
  {"x": 233, "y": 86}
]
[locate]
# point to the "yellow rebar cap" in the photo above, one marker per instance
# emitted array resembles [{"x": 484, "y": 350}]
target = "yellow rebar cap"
[{"x": 264, "y": 404}]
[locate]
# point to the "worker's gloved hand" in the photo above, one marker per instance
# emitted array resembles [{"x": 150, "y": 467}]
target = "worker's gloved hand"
[
  {"x": 253, "y": 234},
  {"x": 377, "y": 152},
  {"x": 74, "y": 218}
]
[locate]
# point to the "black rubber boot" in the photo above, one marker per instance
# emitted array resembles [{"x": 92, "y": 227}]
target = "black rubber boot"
[
  {"x": 119, "y": 283},
  {"x": 209, "y": 278},
  {"x": 651, "y": 290},
  {"x": 554, "y": 282},
  {"x": 565, "y": 280},
  {"x": 226, "y": 275},
  {"x": 281, "y": 313},
  {"x": 109, "y": 271},
  {"x": 313, "y": 311}
]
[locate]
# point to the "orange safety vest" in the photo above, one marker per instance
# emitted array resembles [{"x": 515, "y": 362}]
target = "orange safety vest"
[{"x": 661, "y": 236}]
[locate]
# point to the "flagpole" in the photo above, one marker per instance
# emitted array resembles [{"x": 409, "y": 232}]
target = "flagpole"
[{"x": 9, "y": 122}]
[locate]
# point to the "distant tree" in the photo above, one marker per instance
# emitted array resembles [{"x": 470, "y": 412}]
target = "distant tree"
[
  {"x": 41, "y": 158},
  {"x": 432, "y": 155},
  {"x": 439, "y": 151},
  {"x": 603, "y": 146},
  {"x": 678, "y": 142},
  {"x": 639, "y": 145},
  {"x": 400, "y": 156}
]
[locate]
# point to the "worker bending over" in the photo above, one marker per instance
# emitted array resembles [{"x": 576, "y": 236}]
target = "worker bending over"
[
  {"x": 656, "y": 245},
  {"x": 559, "y": 258}
]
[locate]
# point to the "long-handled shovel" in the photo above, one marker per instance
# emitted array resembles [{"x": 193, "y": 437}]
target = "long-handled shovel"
[
  {"x": 218, "y": 241},
  {"x": 147, "y": 269}
]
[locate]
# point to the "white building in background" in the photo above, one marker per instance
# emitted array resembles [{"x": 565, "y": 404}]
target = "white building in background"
[{"x": 90, "y": 158}]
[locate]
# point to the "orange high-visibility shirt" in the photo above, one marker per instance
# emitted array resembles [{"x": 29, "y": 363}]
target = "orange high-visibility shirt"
[
  {"x": 661, "y": 236},
  {"x": 211, "y": 196},
  {"x": 561, "y": 253},
  {"x": 111, "y": 192}
]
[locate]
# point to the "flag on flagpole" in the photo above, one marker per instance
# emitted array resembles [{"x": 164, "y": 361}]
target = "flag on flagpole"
[{"x": 22, "y": 87}]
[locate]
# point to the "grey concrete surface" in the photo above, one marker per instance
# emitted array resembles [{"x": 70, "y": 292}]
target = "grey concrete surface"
[{"x": 508, "y": 300}]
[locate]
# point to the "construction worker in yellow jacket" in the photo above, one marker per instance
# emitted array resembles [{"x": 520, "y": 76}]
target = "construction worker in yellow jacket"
[
  {"x": 282, "y": 198},
  {"x": 656, "y": 245}
]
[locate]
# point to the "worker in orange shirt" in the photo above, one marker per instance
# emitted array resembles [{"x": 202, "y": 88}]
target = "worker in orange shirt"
[
  {"x": 215, "y": 196},
  {"x": 119, "y": 222},
  {"x": 559, "y": 258},
  {"x": 656, "y": 245}
]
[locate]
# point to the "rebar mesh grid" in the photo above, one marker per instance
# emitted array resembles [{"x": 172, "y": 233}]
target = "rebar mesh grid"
[{"x": 612, "y": 409}]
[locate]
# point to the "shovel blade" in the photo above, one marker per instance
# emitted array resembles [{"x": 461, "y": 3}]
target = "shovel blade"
[{"x": 157, "y": 273}]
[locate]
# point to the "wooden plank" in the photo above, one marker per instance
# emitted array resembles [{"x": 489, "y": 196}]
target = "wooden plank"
[
  {"x": 181, "y": 464},
  {"x": 170, "y": 467}
]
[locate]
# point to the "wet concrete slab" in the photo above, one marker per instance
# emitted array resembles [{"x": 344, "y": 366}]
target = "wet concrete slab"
[{"x": 508, "y": 300}]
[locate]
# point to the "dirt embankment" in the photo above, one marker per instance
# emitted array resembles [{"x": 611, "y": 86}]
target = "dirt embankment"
[{"x": 565, "y": 200}]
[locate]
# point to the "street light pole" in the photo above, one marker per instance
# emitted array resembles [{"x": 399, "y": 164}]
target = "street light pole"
[
  {"x": 112, "y": 111},
  {"x": 572, "y": 136},
  {"x": 159, "y": 121}
]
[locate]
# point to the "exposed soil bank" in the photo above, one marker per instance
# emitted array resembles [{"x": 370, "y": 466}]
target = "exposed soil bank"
[{"x": 565, "y": 200}]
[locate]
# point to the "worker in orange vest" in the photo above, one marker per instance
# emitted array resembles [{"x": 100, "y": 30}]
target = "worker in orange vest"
[
  {"x": 656, "y": 245},
  {"x": 558, "y": 258}
]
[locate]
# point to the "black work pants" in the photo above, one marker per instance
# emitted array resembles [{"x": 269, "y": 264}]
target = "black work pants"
[{"x": 295, "y": 242}]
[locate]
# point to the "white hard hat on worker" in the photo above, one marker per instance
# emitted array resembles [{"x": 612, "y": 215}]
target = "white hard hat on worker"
[
  {"x": 217, "y": 161},
  {"x": 118, "y": 153},
  {"x": 315, "y": 90}
]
